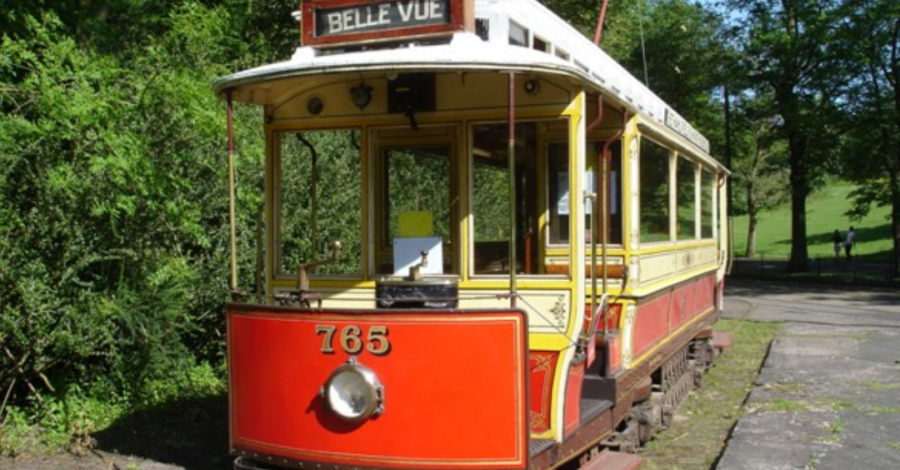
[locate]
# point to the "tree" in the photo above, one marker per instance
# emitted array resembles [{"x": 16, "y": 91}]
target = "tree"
[
  {"x": 759, "y": 162},
  {"x": 789, "y": 49},
  {"x": 874, "y": 141}
]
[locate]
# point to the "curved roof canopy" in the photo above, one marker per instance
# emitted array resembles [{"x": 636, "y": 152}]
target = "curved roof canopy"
[{"x": 568, "y": 54}]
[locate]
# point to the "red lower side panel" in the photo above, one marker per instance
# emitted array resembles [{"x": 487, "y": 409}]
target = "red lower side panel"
[
  {"x": 667, "y": 313},
  {"x": 542, "y": 365},
  {"x": 573, "y": 398}
]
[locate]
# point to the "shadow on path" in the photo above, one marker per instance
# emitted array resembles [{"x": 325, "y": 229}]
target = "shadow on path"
[{"x": 192, "y": 434}]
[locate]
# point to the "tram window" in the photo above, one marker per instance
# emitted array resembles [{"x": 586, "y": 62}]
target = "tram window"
[
  {"x": 318, "y": 200},
  {"x": 518, "y": 35},
  {"x": 654, "y": 163},
  {"x": 614, "y": 197},
  {"x": 707, "y": 189},
  {"x": 491, "y": 194},
  {"x": 558, "y": 161},
  {"x": 687, "y": 199},
  {"x": 558, "y": 187},
  {"x": 417, "y": 179}
]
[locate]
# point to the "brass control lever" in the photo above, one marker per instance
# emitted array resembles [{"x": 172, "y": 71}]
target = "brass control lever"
[
  {"x": 303, "y": 269},
  {"x": 415, "y": 270}
]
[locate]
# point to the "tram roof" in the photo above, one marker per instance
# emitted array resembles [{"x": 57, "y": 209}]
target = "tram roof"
[{"x": 581, "y": 61}]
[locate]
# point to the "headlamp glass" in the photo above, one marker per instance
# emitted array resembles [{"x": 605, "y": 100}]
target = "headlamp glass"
[{"x": 353, "y": 392}]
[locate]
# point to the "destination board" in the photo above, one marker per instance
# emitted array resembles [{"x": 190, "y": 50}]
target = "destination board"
[
  {"x": 342, "y": 22},
  {"x": 682, "y": 127}
]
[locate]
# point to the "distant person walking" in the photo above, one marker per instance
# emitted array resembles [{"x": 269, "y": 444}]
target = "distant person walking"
[
  {"x": 849, "y": 241},
  {"x": 838, "y": 241}
]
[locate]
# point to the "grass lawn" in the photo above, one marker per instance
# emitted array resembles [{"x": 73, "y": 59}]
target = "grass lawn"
[{"x": 824, "y": 213}]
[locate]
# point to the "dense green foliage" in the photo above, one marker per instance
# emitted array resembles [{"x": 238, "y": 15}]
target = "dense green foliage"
[
  {"x": 320, "y": 183},
  {"x": 113, "y": 260}
]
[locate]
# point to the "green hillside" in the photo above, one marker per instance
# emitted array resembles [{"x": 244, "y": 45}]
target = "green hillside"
[{"x": 824, "y": 213}]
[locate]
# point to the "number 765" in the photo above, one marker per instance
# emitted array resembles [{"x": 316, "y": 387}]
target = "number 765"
[{"x": 352, "y": 341}]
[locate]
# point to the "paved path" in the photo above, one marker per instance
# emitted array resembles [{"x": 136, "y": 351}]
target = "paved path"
[{"x": 828, "y": 395}]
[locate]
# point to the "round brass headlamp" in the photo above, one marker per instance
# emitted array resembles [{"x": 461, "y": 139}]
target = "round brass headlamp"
[{"x": 353, "y": 392}]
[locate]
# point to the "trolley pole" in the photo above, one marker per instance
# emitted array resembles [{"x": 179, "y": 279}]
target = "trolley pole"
[
  {"x": 728, "y": 145},
  {"x": 231, "y": 221}
]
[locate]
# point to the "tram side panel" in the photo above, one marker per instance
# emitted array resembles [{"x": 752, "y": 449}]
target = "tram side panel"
[{"x": 666, "y": 313}]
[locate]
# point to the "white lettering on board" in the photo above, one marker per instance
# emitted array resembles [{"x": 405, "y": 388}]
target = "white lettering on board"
[
  {"x": 348, "y": 20},
  {"x": 334, "y": 22},
  {"x": 406, "y": 9},
  {"x": 434, "y": 10},
  {"x": 378, "y": 16},
  {"x": 420, "y": 10}
]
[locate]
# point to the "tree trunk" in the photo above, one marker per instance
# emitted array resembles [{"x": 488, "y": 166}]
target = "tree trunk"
[
  {"x": 752, "y": 220},
  {"x": 751, "y": 235},
  {"x": 799, "y": 191},
  {"x": 894, "y": 181}
]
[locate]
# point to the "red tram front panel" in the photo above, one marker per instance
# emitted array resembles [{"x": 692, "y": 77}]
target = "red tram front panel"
[{"x": 454, "y": 386}]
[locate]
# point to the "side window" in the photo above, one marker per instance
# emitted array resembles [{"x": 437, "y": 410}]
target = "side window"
[
  {"x": 318, "y": 200},
  {"x": 558, "y": 185},
  {"x": 491, "y": 195},
  {"x": 687, "y": 199},
  {"x": 613, "y": 189},
  {"x": 654, "y": 204},
  {"x": 518, "y": 35},
  {"x": 707, "y": 191}
]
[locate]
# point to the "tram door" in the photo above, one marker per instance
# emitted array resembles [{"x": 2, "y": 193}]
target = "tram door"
[{"x": 415, "y": 200}]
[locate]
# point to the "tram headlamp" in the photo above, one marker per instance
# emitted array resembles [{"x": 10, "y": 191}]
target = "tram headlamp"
[
  {"x": 532, "y": 87},
  {"x": 315, "y": 106},
  {"x": 353, "y": 392}
]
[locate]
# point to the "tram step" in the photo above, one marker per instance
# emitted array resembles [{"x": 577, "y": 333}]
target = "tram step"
[
  {"x": 536, "y": 446},
  {"x": 590, "y": 409},
  {"x": 721, "y": 340},
  {"x": 598, "y": 388},
  {"x": 612, "y": 460}
]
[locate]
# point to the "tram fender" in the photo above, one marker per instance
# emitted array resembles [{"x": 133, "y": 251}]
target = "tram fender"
[
  {"x": 721, "y": 340},
  {"x": 612, "y": 460}
]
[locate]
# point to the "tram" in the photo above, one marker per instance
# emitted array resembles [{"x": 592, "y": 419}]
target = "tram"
[{"x": 487, "y": 246}]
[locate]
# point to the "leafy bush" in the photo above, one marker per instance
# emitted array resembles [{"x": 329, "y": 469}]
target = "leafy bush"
[{"x": 113, "y": 220}]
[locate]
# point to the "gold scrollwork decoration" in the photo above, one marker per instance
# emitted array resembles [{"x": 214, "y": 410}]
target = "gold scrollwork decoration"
[{"x": 559, "y": 311}]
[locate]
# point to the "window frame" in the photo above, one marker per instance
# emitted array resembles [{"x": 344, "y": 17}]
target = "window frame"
[
  {"x": 670, "y": 199},
  {"x": 392, "y": 137},
  {"x": 277, "y": 257},
  {"x": 542, "y": 198}
]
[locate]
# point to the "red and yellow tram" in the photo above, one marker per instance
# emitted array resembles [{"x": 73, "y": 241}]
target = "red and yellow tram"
[{"x": 487, "y": 246}]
